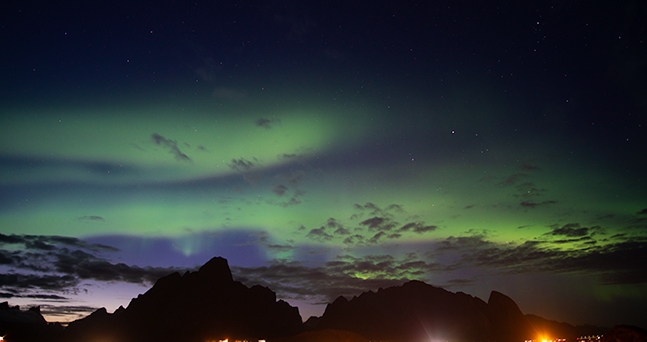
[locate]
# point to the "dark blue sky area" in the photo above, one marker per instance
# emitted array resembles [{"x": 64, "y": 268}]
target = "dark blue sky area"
[{"x": 539, "y": 54}]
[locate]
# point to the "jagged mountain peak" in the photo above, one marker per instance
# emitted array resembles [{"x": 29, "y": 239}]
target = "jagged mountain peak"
[
  {"x": 417, "y": 310},
  {"x": 197, "y": 306}
]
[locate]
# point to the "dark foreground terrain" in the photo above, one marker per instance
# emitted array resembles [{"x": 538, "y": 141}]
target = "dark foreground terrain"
[{"x": 208, "y": 305}]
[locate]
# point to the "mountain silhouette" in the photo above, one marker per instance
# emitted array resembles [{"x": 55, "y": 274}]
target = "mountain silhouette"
[
  {"x": 203, "y": 305},
  {"x": 208, "y": 305},
  {"x": 28, "y": 325},
  {"x": 625, "y": 333},
  {"x": 417, "y": 311}
]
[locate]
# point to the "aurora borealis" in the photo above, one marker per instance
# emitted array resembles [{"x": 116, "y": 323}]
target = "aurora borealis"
[{"x": 326, "y": 150}]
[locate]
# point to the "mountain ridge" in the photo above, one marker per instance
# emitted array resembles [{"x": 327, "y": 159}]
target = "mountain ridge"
[{"x": 209, "y": 304}]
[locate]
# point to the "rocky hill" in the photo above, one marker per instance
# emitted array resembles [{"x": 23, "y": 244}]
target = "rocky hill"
[
  {"x": 25, "y": 325},
  {"x": 417, "y": 311},
  {"x": 204, "y": 305}
]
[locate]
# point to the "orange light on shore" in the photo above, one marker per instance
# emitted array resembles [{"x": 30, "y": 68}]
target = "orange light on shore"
[{"x": 544, "y": 338}]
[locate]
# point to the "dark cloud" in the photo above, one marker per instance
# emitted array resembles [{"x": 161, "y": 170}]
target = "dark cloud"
[
  {"x": 381, "y": 226},
  {"x": 333, "y": 223},
  {"x": 342, "y": 231},
  {"x": 619, "y": 262},
  {"x": 6, "y": 258},
  {"x": 462, "y": 242},
  {"x": 394, "y": 208},
  {"x": 572, "y": 230},
  {"x": 241, "y": 165},
  {"x": 512, "y": 179},
  {"x": 583, "y": 239},
  {"x": 292, "y": 201},
  {"x": 642, "y": 212},
  {"x": 92, "y": 218},
  {"x": 532, "y": 205},
  {"x": 345, "y": 276},
  {"x": 377, "y": 237},
  {"x": 57, "y": 264},
  {"x": 288, "y": 183},
  {"x": 39, "y": 244},
  {"x": 319, "y": 234},
  {"x": 295, "y": 199},
  {"x": 28, "y": 241},
  {"x": 378, "y": 223},
  {"x": 354, "y": 239},
  {"x": 279, "y": 248},
  {"x": 265, "y": 122},
  {"x": 375, "y": 210},
  {"x": 528, "y": 190},
  {"x": 171, "y": 145},
  {"x": 417, "y": 227},
  {"x": 87, "y": 266},
  {"x": 32, "y": 166},
  {"x": 373, "y": 223},
  {"x": 331, "y": 228},
  {"x": 23, "y": 282},
  {"x": 11, "y": 239},
  {"x": 47, "y": 297},
  {"x": 280, "y": 189},
  {"x": 370, "y": 207}
]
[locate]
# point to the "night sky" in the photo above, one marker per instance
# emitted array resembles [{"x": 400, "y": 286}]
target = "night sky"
[{"x": 325, "y": 149}]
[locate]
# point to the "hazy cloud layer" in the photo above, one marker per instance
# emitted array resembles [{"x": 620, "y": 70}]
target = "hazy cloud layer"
[
  {"x": 617, "y": 261},
  {"x": 51, "y": 267}
]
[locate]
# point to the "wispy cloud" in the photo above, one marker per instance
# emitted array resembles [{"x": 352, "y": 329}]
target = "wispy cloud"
[
  {"x": 381, "y": 225},
  {"x": 92, "y": 218},
  {"x": 512, "y": 179},
  {"x": 572, "y": 230},
  {"x": 266, "y": 123},
  {"x": 288, "y": 185},
  {"x": 617, "y": 261},
  {"x": 171, "y": 146},
  {"x": 532, "y": 205},
  {"x": 40, "y": 266},
  {"x": 242, "y": 164}
]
